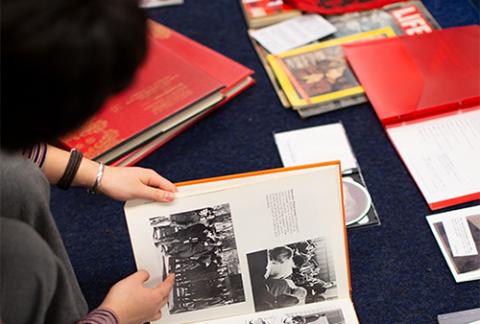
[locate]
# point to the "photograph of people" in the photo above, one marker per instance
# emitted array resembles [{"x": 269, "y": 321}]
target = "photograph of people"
[
  {"x": 292, "y": 274},
  {"x": 199, "y": 246}
]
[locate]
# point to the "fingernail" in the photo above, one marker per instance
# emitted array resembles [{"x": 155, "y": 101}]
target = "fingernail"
[{"x": 169, "y": 196}]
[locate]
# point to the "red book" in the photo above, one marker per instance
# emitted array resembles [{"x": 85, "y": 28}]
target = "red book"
[
  {"x": 235, "y": 77},
  {"x": 426, "y": 93},
  {"x": 173, "y": 86}
]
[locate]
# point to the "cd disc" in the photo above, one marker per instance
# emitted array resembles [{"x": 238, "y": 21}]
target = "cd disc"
[{"x": 357, "y": 201}]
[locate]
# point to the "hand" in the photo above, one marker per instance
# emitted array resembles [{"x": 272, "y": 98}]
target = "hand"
[
  {"x": 135, "y": 304},
  {"x": 132, "y": 182}
]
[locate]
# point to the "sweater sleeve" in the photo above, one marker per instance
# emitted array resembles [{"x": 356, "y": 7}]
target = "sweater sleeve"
[
  {"x": 36, "y": 153},
  {"x": 99, "y": 316}
]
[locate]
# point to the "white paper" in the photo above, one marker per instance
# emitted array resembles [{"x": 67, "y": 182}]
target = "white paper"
[
  {"x": 459, "y": 237},
  {"x": 316, "y": 144},
  {"x": 293, "y": 33},
  {"x": 442, "y": 154}
]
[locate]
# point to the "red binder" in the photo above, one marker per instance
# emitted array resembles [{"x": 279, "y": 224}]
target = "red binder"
[{"x": 413, "y": 79}]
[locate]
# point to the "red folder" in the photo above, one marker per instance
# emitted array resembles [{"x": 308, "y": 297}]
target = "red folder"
[
  {"x": 411, "y": 79},
  {"x": 408, "y": 77}
]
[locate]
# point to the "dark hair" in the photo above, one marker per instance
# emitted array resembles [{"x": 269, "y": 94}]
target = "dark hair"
[
  {"x": 60, "y": 60},
  {"x": 280, "y": 253}
]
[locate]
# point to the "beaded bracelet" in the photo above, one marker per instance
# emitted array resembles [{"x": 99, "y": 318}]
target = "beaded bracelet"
[
  {"x": 98, "y": 179},
  {"x": 71, "y": 170}
]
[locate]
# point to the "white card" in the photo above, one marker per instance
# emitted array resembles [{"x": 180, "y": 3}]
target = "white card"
[
  {"x": 459, "y": 237},
  {"x": 293, "y": 33},
  {"x": 316, "y": 144}
]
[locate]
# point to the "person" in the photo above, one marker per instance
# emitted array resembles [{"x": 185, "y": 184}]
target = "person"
[
  {"x": 60, "y": 61},
  {"x": 280, "y": 263}
]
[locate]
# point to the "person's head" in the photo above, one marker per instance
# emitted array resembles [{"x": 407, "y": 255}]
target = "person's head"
[
  {"x": 61, "y": 60},
  {"x": 280, "y": 254},
  {"x": 295, "y": 320}
]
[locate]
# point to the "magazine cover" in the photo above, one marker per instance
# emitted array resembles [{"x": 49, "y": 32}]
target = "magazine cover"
[
  {"x": 410, "y": 17},
  {"x": 403, "y": 17},
  {"x": 319, "y": 73}
]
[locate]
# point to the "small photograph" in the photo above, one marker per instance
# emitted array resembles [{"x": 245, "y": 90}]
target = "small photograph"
[
  {"x": 320, "y": 72},
  {"x": 463, "y": 264},
  {"x": 199, "y": 246},
  {"x": 327, "y": 317},
  {"x": 292, "y": 274},
  {"x": 310, "y": 317},
  {"x": 358, "y": 22}
]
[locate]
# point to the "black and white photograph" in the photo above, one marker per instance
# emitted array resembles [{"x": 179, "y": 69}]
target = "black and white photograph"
[
  {"x": 327, "y": 317},
  {"x": 292, "y": 274},
  {"x": 465, "y": 263},
  {"x": 310, "y": 317},
  {"x": 199, "y": 247}
]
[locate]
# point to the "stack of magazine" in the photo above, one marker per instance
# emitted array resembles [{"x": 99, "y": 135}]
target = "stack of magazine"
[{"x": 315, "y": 78}]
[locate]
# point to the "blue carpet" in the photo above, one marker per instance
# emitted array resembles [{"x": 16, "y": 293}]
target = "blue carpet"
[{"x": 398, "y": 272}]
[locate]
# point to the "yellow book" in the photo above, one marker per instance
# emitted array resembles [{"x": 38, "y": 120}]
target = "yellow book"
[{"x": 319, "y": 73}]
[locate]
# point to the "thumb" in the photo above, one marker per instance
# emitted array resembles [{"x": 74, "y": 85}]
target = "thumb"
[
  {"x": 167, "y": 284},
  {"x": 156, "y": 194},
  {"x": 140, "y": 276}
]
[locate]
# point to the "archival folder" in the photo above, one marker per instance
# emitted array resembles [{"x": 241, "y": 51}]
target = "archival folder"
[
  {"x": 426, "y": 93},
  {"x": 263, "y": 245}
]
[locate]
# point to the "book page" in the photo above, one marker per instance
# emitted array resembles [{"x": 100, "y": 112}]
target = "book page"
[
  {"x": 442, "y": 154},
  {"x": 458, "y": 236},
  {"x": 245, "y": 245},
  {"x": 336, "y": 311}
]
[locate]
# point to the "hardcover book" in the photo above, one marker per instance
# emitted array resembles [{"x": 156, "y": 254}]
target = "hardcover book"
[
  {"x": 432, "y": 116},
  {"x": 235, "y": 77},
  {"x": 260, "y": 13},
  {"x": 295, "y": 268},
  {"x": 180, "y": 80}
]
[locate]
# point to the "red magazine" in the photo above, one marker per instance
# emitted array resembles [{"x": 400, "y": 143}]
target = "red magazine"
[
  {"x": 179, "y": 80},
  {"x": 426, "y": 93}
]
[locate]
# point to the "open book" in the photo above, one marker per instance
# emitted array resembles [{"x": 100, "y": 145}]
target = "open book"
[{"x": 260, "y": 247}]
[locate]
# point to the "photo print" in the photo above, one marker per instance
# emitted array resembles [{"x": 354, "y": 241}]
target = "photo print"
[
  {"x": 292, "y": 274},
  {"x": 321, "y": 71},
  {"x": 463, "y": 262},
  {"x": 315, "y": 317},
  {"x": 199, "y": 247}
]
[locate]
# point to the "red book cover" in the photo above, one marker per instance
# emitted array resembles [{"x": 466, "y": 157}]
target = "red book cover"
[
  {"x": 235, "y": 76},
  {"x": 165, "y": 85},
  {"x": 148, "y": 148},
  {"x": 222, "y": 68}
]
